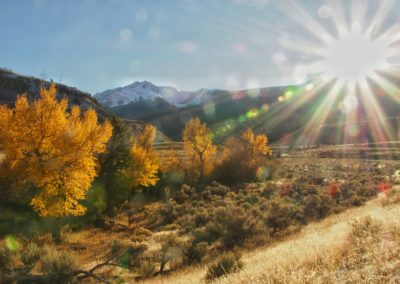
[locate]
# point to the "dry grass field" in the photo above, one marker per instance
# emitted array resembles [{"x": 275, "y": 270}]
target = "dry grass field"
[{"x": 358, "y": 245}]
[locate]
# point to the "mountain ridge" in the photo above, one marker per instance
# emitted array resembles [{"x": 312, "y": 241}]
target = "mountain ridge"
[{"x": 147, "y": 91}]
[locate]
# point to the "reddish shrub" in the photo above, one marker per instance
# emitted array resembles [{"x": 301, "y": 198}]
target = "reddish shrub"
[
  {"x": 334, "y": 190},
  {"x": 384, "y": 187}
]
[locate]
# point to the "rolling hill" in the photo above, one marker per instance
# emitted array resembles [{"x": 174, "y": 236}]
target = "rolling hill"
[{"x": 12, "y": 85}]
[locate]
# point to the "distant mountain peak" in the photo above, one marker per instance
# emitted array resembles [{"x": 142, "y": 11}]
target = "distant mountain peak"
[
  {"x": 143, "y": 84},
  {"x": 147, "y": 91}
]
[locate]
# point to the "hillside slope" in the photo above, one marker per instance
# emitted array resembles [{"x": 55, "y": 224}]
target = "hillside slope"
[
  {"x": 339, "y": 249},
  {"x": 12, "y": 85}
]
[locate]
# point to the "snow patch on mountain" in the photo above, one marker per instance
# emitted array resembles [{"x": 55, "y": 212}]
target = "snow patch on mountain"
[{"x": 142, "y": 91}]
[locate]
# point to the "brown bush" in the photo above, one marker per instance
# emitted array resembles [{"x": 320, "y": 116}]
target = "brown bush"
[
  {"x": 228, "y": 263},
  {"x": 195, "y": 252}
]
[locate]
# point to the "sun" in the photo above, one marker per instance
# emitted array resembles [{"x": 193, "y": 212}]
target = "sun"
[
  {"x": 354, "y": 50},
  {"x": 351, "y": 56},
  {"x": 355, "y": 56}
]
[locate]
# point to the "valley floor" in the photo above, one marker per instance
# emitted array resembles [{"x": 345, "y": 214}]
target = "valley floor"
[{"x": 323, "y": 252}]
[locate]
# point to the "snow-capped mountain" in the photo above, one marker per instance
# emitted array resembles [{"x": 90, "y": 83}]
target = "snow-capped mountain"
[{"x": 146, "y": 91}]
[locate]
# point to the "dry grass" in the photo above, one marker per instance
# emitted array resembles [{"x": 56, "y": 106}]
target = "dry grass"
[{"x": 335, "y": 250}]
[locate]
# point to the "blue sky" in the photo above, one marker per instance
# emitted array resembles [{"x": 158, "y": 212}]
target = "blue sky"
[{"x": 190, "y": 44}]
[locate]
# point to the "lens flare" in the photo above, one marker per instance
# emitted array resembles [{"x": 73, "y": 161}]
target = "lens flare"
[
  {"x": 353, "y": 63},
  {"x": 11, "y": 243},
  {"x": 263, "y": 173}
]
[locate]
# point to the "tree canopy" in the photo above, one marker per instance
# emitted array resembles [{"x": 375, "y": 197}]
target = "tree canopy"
[
  {"x": 54, "y": 150},
  {"x": 200, "y": 152}
]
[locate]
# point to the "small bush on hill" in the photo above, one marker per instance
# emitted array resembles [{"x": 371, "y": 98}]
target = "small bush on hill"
[
  {"x": 171, "y": 251},
  {"x": 316, "y": 206},
  {"x": 230, "y": 225},
  {"x": 141, "y": 234},
  {"x": 282, "y": 213},
  {"x": 195, "y": 252},
  {"x": 147, "y": 268},
  {"x": 228, "y": 263},
  {"x": 58, "y": 266}
]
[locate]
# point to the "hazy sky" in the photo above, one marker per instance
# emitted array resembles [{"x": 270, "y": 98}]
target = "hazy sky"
[{"x": 190, "y": 44}]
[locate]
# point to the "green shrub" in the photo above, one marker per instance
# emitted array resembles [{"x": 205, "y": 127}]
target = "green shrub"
[
  {"x": 5, "y": 258},
  {"x": 186, "y": 222},
  {"x": 316, "y": 206},
  {"x": 201, "y": 217},
  {"x": 252, "y": 199},
  {"x": 195, "y": 252},
  {"x": 171, "y": 250},
  {"x": 281, "y": 213},
  {"x": 228, "y": 263},
  {"x": 132, "y": 256},
  {"x": 31, "y": 254},
  {"x": 183, "y": 193},
  {"x": 139, "y": 237},
  {"x": 354, "y": 200},
  {"x": 143, "y": 232},
  {"x": 171, "y": 227},
  {"x": 268, "y": 190},
  {"x": 169, "y": 212},
  {"x": 232, "y": 226},
  {"x": 215, "y": 188},
  {"x": 58, "y": 266}
]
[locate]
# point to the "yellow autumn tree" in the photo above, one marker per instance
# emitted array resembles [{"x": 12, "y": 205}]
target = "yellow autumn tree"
[
  {"x": 55, "y": 150},
  {"x": 243, "y": 156},
  {"x": 257, "y": 147},
  {"x": 145, "y": 162},
  {"x": 199, "y": 150}
]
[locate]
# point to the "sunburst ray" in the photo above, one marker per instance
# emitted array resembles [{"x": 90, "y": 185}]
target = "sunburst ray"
[{"x": 362, "y": 50}]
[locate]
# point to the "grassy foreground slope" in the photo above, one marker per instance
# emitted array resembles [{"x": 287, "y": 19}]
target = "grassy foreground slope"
[{"x": 360, "y": 245}]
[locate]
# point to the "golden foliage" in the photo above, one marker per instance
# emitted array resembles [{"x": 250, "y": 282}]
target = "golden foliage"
[
  {"x": 256, "y": 147},
  {"x": 147, "y": 137},
  {"x": 200, "y": 152},
  {"x": 243, "y": 155},
  {"x": 52, "y": 149},
  {"x": 145, "y": 162}
]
